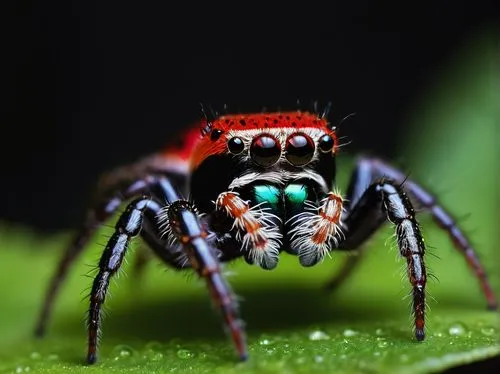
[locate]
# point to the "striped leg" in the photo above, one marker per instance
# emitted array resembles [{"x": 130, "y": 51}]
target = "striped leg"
[
  {"x": 181, "y": 224},
  {"x": 128, "y": 226},
  {"x": 106, "y": 206},
  {"x": 387, "y": 200},
  {"x": 371, "y": 169}
]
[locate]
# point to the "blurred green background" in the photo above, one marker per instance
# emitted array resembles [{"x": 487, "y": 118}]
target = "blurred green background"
[{"x": 163, "y": 322}]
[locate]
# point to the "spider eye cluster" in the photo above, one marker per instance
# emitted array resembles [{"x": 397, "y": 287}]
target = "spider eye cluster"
[{"x": 265, "y": 149}]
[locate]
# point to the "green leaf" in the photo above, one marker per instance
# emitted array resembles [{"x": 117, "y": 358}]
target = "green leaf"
[{"x": 162, "y": 321}]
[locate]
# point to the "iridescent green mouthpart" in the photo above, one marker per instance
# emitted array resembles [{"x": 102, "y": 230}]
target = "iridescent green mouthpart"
[
  {"x": 295, "y": 194},
  {"x": 267, "y": 194}
]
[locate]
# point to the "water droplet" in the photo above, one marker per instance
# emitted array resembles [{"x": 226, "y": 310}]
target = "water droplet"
[
  {"x": 35, "y": 356},
  {"x": 318, "y": 359},
  {"x": 350, "y": 332},
  {"x": 438, "y": 334},
  {"x": 379, "y": 332},
  {"x": 53, "y": 357},
  {"x": 383, "y": 344},
  {"x": 265, "y": 342},
  {"x": 318, "y": 335},
  {"x": 153, "y": 355},
  {"x": 26, "y": 369},
  {"x": 488, "y": 330},
  {"x": 123, "y": 351},
  {"x": 19, "y": 369},
  {"x": 185, "y": 354},
  {"x": 376, "y": 353},
  {"x": 270, "y": 351},
  {"x": 457, "y": 329}
]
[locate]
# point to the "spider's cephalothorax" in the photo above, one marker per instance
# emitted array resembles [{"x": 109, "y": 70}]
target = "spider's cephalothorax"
[
  {"x": 271, "y": 179},
  {"x": 259, "y": 184}
]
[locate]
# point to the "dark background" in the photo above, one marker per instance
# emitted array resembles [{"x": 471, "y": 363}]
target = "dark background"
[{"x": 93, "y": 85}]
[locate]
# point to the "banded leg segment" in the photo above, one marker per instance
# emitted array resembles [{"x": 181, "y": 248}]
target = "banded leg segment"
[
  {"x": 105, "y": 207},
  {"x": 371, "y": 169},
  {"x": 387, "y": 200},
  {"x": 181, "y": 222},
  {"x": 128, "y": 226}
]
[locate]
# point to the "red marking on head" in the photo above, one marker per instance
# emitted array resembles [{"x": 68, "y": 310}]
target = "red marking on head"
[
  {"x": 268, "y": 120},
  {"x": 209, "y": 145},
  {"x": 183, "y": 146}
]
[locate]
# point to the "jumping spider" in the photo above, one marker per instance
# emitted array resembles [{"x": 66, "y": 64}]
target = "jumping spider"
[{"x": 259, "y": 184}]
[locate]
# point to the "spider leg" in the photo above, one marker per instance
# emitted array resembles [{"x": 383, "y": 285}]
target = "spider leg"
[
  {"x": 371, "y": 169},
  {"x": 256, "y": 229},
  {"x": 109, "y": 198},
  {"x": 128, "y": 226},
  {"x": 383, "y": 200},
  {"x": 181, "y": 222}
]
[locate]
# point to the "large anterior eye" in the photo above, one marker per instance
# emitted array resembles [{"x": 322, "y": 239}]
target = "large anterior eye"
[
  {"x": 265, "y": 150},
  {"x": 299, "y": 149}
]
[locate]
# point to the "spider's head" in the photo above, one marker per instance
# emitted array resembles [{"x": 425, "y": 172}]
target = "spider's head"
[
  {"x": 277, "y": 147},
  {"x": 267, "y": 140}
]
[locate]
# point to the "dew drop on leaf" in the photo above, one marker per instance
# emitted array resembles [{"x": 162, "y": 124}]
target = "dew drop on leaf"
[
  {"x": 379, "y": 332},
  {"x": 153, "y": 355},
  {"x": 122, "y": 351},
  {"x": 185, "y": 354},
  {"x": 382, "y": 344},
  {"x": 318, "y": 335},
  {"x": 349, "y": 332},
  {"x": 457, "y": 329},
  {"x": 488, "y": 330}
]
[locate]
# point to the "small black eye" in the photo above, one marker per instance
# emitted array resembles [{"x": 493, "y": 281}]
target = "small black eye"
[
  {"x": 299, "y": 149},
  {"x": 326, "y": 143},
  {"x": 265, "y": 150},
  {"x": 235, "y": 145},
  {"x": 215, "y": 134}
]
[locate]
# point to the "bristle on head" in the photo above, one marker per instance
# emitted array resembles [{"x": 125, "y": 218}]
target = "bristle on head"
[{"x": 210, "y": 117}]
